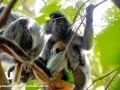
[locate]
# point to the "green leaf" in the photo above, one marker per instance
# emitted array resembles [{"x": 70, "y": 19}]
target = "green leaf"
[
  {"x": 115, "y": 85},
  {"x": 79, "y": 4},
  {"x": 51, "y": 1},
  {"x": 5, "y": 1},
  {"x": 17, "y": 4},
  {"x": 68, "y": 76},
  {"x": 108, "y": 44},
  {"x": 70, "y": 11},
  {"x": 112, "y": 14},
  {"x": 51, "y": 7},
  {"x": 95, "y": 68},
  {"x": 98, "y": 84},
  {"x": 42, "y": 19}
]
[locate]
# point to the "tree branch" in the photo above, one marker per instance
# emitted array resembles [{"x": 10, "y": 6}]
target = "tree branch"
[
  {"x": 1, "y": 1},
  {"x": 44, "y": 2},
  {"x": 102, "y": 77},
  {"x": 79, "y": 10},
  {"x": 5, "y": 14},
  {"x": 112, "y": 78},
  {"x": 99, "y": 3},
  {"x": 82, "y": 6}
]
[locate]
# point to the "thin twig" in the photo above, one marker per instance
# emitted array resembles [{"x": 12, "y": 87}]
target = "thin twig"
[
  {"x": 82, "y": 6},
  {"x": 99, "y": 3},
  {"x": 79, "y": 10},
  {"x": 56, "y": 18},
  {"x": 44, "y": 2},
  {"x": 6, "y": 12},
  {"x": 112, "y": 79},
  {"x": 102, "y": 77},
  {"x": 1, "y": 1}
]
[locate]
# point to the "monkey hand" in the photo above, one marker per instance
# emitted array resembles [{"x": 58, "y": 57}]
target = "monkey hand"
[
  {"x": 89, "y": 11},
  {"x": 26, "y": 74},
  {"x": 73, "y": 63}
]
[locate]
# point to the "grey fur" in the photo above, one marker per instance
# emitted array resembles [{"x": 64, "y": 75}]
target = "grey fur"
[
  {"x": 22, "y": 36},
  {"x": 54, "y": 61},
  {"x": 25, "y": 34}
]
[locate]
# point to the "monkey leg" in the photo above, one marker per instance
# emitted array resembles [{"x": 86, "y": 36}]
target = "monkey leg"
[
  {"x": 3, "y": 79},
  {"x": 18, "y": 69},
  {"x": 62, "y": 85},
  {"x": 10, "y": 70}
]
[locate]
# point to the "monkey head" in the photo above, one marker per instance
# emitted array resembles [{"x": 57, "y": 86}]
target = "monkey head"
[
  {"x": 57, "y": 24},
  {"x": 58, "y": 47}
]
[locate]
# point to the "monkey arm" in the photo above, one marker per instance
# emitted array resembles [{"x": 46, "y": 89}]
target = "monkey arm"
[
  {"x": 88, "y": 32},
  {"x": 40, "y": 63},
  {"x": 10, "y": 70},
  {"x": 47, "y": 50}
]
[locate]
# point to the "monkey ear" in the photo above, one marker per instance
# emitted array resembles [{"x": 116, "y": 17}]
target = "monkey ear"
[{"x": 13, "y": 49}]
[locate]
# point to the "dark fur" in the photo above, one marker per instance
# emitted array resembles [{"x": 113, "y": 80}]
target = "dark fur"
[{"x": 61, "y": 31}]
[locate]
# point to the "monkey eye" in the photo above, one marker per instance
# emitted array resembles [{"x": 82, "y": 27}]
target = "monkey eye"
[
  {"x": 53, "y": 21},
  {"x": 57, "y": 50},
  {"x": 60, "y": 21}
]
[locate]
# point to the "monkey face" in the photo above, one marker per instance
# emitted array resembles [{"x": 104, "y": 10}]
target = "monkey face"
[
  {"x": 47, "y": 28},
  {"x": 58, "y": 24},
  {"x": 58, "y": 47}
]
